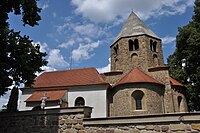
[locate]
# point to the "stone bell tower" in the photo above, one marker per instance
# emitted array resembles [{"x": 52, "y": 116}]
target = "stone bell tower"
[{"x": 136, "y": 46}]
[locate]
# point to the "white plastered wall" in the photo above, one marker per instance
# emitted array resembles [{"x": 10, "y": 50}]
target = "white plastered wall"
[
  {"x": 26, "y": 93},
  {"x": 94, "y": 96}
]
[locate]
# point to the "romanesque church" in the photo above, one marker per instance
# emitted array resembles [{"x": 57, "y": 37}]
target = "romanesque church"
[{"x": 138, "y": 83}]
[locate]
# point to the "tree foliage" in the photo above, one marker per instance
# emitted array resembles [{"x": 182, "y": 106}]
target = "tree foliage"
[
  {"x": 185, "y": 61},
  {"x": 20, "y": 59},
  {"x": 27, "y": 8}
]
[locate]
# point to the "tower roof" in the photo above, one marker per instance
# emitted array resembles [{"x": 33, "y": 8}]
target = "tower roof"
[
  {"x": 134, "y": 26},
  {"x": 138, "y": 76}
]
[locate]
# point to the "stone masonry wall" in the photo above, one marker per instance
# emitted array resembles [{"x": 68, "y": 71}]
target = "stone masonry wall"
[
  {"x": 75, "y": 120},
  {"x": 146, "y": 128},
  {"x": 47, "y": 121},
  {"x": 163, "y": 77},
  {"x": 144, "y": 58},
  {"x": 163, "y": 123},
  {"x": 122, "y": 104}
]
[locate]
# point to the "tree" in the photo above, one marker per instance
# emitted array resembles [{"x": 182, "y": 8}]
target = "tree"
[
  {"x": 185, "y": 61},
  {"x": 20, "y": 59},
  {"x": 12, "y": 103}
]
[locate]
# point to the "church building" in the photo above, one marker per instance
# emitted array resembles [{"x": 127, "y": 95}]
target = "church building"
[{"x": 138, "y": 83}]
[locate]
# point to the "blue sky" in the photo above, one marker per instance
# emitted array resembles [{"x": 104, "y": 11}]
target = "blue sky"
[{"x": 78, "y": 33}]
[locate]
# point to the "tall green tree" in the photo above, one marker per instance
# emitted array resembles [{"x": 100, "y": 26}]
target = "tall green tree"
[
  {"x": 185, "y": 61},
  {"x": 20, "y": 59}
]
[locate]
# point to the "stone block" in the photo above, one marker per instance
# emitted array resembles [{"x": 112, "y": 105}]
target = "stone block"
[
  {"x": 91, "y": 131},
  {"x": 65, "y": 116},
  {"x": 134, "y": 131},
  {"x": 145, "y": 131},
  {"x": 149, "y": 127},
  {"x": 70, "y": 131},
  {"x": 188, "y": 127},
  {"x": 180, "y": 132},
  {"x": 157, "y": 128},
  {"x": 164, "y": 128},
  {"x": 77, "y": 126},
  {"x": 71, "y": 121},
  {"x": 117, "y": 131},
  {"x": 81, "y": 131},
  {"x": 196, "y": 126},
  {"x": 125, "y": 131},
  {"x": 109, "y": 130},
  {"x": 79, "y": 116},
  {"x": 177, "y": 127},
  {"x": 140, "y": 127},
  {"x": 61, "y": 122},
  {"x": 101, "y": 131},
  {"x": 72, "y": 116}
]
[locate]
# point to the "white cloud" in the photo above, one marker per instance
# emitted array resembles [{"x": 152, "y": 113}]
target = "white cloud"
[
  {"x": 89, "y": 30},
  {"x": 113, "y": 10},
  {"x": 104, "y": 69},
  {"x": 67, "y": 44},
  {"x": 56, "y": 60},
  {"x": 84, "y": 52},
  {"x": 61, "y": 28},
  {"x": 168, "y": 39}
]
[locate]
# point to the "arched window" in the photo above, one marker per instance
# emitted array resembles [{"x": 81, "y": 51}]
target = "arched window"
[
  {"x": 153, "y": 45},
  {"x": 79, "y": 101},
  {"x": 130, "y": 43},
  {"x": 134, "y": 59},
  {"x": 136, "y": 44},
  {"x": 138, "y": 100},
  {"x": 116, "y": 49},
  {"x": 116, "y": 64},
  {"x": 155, "y": 60},
  {"x": 133, "y": 45},
  {"x": 179, "y": 98}
]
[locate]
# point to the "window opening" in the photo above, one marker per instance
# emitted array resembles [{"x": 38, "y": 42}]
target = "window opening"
[
  {"x": 116, "y": 49},
  {"x": 133, "y": 45},
  {"x": 130, "y": 42},
  {"x": 138, "y": 97},
  {"x": 79, "y": 101}
]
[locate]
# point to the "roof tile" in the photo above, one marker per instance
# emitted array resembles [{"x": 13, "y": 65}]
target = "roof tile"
[
  {"x": 75, "y": 77},
  {"x": 137, "y": 76},
  {"x": 52, "y": 95},
  {"x": 175, "y": 82}
]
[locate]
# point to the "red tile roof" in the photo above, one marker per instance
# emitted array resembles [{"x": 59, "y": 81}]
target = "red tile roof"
[
  {"x": 66, "y": 78},
  {"x": 175, "y": 82},
  {"x": 137, "y": 76},
  {"x": 52, "y": 95}
]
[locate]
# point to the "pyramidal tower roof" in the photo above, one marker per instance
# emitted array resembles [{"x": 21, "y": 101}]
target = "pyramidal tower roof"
[{"x": 134, "y": 26}]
